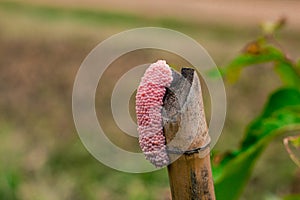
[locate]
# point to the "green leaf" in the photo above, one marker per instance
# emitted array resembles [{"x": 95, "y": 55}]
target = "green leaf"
[
  {"x": 267, "y": 54},
  {"x": 287, "y": 73},
  {"x": 275, "y": 114},
  {"x": 236, "y": 172},
  {"x": 281, "y": 114}
]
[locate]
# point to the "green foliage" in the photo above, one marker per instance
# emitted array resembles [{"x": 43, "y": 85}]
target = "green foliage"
[
  {"x": 280, "y": 114},
  {"x": 275, "y": 120},
  {"x": 283, "y": 109},
  {"x": 292, "y": 197}
]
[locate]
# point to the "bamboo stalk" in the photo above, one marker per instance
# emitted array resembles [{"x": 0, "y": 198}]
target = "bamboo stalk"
[
  {"x": 191, "y": 178},
  {"x": 185, "y": 130}
]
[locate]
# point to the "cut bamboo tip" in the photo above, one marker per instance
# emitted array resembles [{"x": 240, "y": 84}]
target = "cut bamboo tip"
[
  {"x": 183, "y": 113},
  {"x": 185, "y": 129}
]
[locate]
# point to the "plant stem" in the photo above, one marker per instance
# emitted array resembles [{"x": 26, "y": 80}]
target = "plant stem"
[
  {"x": 191, "y": 178},
  {"x": 185, "y": 130}
]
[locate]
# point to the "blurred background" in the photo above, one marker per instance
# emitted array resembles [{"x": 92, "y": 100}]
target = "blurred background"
[{"x": 42, "y": 44}]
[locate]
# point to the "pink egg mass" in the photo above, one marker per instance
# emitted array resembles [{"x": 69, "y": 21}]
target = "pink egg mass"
[{"x": 149, "y": 102}]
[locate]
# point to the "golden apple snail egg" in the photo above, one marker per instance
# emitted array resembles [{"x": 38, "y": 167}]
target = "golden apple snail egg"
[{"x": 149, "y": 102}]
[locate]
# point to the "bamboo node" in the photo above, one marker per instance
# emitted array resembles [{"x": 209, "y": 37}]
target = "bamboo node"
[{"x": 202, "y": 151}]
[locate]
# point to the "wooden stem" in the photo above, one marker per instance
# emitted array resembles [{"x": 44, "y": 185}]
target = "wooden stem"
[
  {"x": 191, "y": 178},
  {"x": 185, "y": 130}
]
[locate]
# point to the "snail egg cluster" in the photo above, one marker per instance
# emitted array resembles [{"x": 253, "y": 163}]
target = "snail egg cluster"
[{"x": 149, "y": 102}]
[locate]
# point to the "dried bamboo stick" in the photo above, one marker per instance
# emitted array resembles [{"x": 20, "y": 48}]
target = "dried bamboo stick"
[{"x": 186, "y": 133}]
